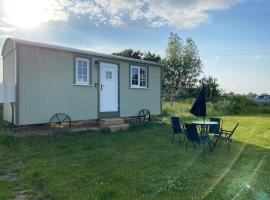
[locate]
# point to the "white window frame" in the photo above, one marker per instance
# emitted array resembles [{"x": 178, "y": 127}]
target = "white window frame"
[
  {"x": 139, "y": 77},
  {"x": 76, "y": 77}
]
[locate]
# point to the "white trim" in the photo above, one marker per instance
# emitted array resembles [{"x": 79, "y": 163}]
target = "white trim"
[
  {"x": 83, "y": 85},
  {"x": 146, "y": 80},
  {"x": 76, "y": 75}
]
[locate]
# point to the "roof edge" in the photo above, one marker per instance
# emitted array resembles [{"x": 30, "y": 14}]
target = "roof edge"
[
  {"x": 70, "y": 49},
  {"x": 4, "y": 45}
]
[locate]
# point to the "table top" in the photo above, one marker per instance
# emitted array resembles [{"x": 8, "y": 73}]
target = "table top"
[{"x": 204, "y": 122}]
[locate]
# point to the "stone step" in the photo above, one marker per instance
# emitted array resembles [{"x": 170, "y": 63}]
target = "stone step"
[
  {"x": 119, "y": 127},
  {"x": 107, "y": 122}
]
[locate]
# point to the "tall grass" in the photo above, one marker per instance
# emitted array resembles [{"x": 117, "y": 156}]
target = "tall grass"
[{"x": 233, "y": 105}]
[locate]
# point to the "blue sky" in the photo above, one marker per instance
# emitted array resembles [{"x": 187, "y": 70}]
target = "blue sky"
[{"x": 232, "y": 35}]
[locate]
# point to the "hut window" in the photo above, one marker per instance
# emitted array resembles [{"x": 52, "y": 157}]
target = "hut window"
[
  {"x": 82, "y": 71},
  {"x": 138, "y": 77}
]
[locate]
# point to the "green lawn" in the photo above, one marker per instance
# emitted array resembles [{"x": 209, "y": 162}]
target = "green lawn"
[{"x": 137, "y": 164}]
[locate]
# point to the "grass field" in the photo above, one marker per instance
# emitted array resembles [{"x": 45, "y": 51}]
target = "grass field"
[{"x": 137, "y": 164}]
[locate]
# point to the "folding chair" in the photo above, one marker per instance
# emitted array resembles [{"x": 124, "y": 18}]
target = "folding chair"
[
  {"x": 215, "y": 128},
  {"x": 177, "y": 128},
  {"x": 227, "y": 136},
  {"x": 193, "y": 136}
]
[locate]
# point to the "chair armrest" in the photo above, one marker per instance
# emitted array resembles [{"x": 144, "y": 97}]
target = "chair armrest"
[{"x": 225, "y": 131}]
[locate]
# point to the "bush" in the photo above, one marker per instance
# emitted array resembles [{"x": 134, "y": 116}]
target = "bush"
[
  {"x": 235, "y": 104},
  {"x": 225, "y": 105}
]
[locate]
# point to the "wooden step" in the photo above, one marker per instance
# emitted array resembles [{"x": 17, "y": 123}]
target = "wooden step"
[
  {"x": 108, "y": 122},
  {"x": 119, "y": 127}
]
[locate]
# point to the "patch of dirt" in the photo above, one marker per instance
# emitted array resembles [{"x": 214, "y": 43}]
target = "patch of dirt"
[
  {"x": 8, "y": 177},
  {"x": 45, "y": 130},
  {"x": 20, "y": 195}
]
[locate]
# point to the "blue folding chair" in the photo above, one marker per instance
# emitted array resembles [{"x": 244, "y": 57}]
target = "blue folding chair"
[
  {"x": 176, "y": 128},
  {"x": 227, "y": 136},
  {"x": 216, "y": 128},
  {"x": 193, "y": 136}
]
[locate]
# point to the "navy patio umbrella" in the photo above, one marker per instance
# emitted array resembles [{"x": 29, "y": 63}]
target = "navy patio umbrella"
[{"x": 199, "y": 107}]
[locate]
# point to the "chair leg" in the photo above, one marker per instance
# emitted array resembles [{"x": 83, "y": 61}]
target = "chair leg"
[
  {"x": 228, "y": 146},
  {"x": 180, "y": 139},
  {"x": 172, "y": 138},
  {"x": 184, "y": 138},
  {"x": 203, "y": 147}
]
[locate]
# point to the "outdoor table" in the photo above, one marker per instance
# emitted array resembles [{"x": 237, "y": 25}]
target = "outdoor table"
[{"x": 205, "y": 130}]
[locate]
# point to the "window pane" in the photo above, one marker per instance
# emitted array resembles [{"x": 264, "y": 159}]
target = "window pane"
[
  {"x": 84, "y": 71},
  {"x": 142, "y": 71},
  {"x": 84, "y": 79},
  {"x": 84, "y": 64},
  {"x": 79, "y": 71},
  {"x": 134, "y": 76},
  {"x": 108, "y": 75},
  {"x": 79, "y": 63},
  {"x": 142, "y": 77},
  {"x": 79, "y": 78}
]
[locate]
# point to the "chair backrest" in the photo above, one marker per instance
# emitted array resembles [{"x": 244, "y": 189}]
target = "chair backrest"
[
  {"x": 192, "y": 133},
  {"x": 215, "y": 128},
  {"x": 232, "y": 132},
  {"x": 176, "y": 125}
]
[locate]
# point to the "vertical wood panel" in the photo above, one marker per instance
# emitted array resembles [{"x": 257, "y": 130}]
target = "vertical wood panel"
[
  {"x": 46, "y": 87},
  {"x": 9, "y": 78},
  {"x": 133, "y": 100}
]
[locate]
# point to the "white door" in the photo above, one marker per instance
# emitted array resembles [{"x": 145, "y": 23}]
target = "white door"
[{"x": 108, "y": 87}]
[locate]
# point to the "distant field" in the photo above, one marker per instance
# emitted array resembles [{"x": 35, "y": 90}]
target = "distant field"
[{"x": 137, "y": 164}]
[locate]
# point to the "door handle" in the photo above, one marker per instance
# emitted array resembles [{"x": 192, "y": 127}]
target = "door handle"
[{"x": 101, "y": 86}]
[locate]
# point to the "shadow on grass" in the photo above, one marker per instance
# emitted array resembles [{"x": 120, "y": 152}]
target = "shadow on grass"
[{"x": 138, "y": 164}]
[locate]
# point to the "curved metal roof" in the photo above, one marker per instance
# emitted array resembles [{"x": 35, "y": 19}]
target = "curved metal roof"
[{"x": 51, "y": 46}]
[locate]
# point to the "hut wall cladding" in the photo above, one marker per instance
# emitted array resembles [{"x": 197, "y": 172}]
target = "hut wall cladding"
[
  {"x": 132, "y": 100},
  {"x": 9, "y": 78},
  {"x": 46, "y": 87}
]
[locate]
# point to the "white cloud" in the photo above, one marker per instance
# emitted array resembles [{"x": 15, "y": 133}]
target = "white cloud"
[
  {"x": 144, "y": 13},
  {"x": 30, "y": 13},
  {"x": 151, "y": 13}
]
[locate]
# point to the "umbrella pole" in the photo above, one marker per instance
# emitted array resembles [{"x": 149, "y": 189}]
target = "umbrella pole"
[{"x": 204, "y": 126}]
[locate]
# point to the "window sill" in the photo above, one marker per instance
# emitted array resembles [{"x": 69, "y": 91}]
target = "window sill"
[
  {"x": 83, "y": 85},
  {"x": 143, "y": 88}
]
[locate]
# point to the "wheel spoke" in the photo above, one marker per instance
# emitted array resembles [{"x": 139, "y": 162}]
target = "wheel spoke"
[
  {"x": 60, "y": 122},
  {"x": 64, "y": 118},
  {"x": 58, "y": 118}
]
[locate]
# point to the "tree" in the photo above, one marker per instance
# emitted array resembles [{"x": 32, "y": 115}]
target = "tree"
[
  {"x": 192, "y": 65},
  {"x": 182, "y": 66},
  {"x": 151, "y": 57},
  {"x": 130, "y": 53},
  {"x": 211, "y": 87},
  {"x": 171, "y": 75},
  {"x": 137, "y": 54}
]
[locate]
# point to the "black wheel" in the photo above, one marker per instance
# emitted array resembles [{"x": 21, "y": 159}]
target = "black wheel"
[
  {"x": 144, "y": 115},
  {"x": 12, "y": 127},
  {"x": 60, "y": 123}
]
